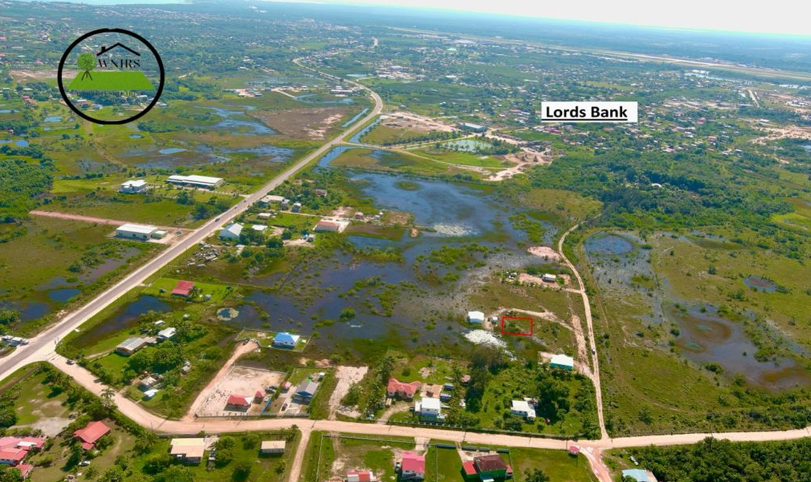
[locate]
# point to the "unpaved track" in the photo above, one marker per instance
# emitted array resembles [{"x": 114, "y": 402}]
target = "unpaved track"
[{"x": 87, "y": 219}]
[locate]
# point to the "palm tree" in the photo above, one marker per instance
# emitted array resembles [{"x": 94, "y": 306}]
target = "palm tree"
[{"x": 107, "y": 397}]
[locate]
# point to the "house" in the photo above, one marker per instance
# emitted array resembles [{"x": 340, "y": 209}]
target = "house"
[
  {"x": 204, "y": 182},
  {"x": 14, "y": 449},
  {"x": 475, "y": 317},
  {"x": 406, "y": 391},
  {"x": 639, "y": 475},
  {"x": 272, "y": 447},
  {"x": 167, "y": 333},
  {"x": 361, "y": 476},
  {"x": 231, "y": 232},
  {"x": 240, "y": 403},
  {"x": 296, "y": 207},
  {"x": 549, "y": 278},
  {"x": 429, "y": 408},
  {"x": 327, "y": 226},
  {"x": 183, "y": 288},
  {"x": 261, "y": 228},
  {"x": 130, "y": 345},
  {"x": 491, "y": 467},
  {"x": 91, "y": 434},
  {"x": 133, "y": 187},
  {"x": 562, "y": 361},
  {"x": 135, "y": 231},
  {"x": 271, "y": 199},
  {"x": 285, "y": 340},
  {"x": 188, "y": 450},
  {"x": 264, "y": 215},
  {"x": 306, "y": 390},
  {"x": 412, "y": 467},
  {"x": 522, "y": 408},
  {"x": 148, "y": 382}
]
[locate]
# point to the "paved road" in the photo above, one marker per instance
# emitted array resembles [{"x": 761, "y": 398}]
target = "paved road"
[
  {"x": 44, "y": 344},
  {"x": 595, "y": 371}
]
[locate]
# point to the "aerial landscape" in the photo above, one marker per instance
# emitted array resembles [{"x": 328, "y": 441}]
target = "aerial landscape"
[{"x": 290, "y": 242}]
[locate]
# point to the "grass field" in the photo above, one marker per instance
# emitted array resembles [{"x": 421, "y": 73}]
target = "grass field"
[
  {"x": 111, "y": 80},
  {"x": 462, "y": 158}
]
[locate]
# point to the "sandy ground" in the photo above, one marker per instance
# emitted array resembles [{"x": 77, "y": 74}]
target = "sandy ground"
[
  {"x": 395, "y": 407},
  {"x": 544, "y": 252},
  {"x": 311, "y": 123},
  {"x": 238, "y": 381},
  {"x": 50, "y": 426},
  {"x": 40, "y": 75},
  {"x": 787, "y": 132},
  {"x": 198, "y": 402},
  {"x": 346, "y": 376},
  {"x": 414, "y": 122}
]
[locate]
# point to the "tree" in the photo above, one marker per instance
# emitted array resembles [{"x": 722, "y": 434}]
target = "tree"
[
  {"x": 537, "y": 475},
  {"x": 242, "y": 470},
  {"x": 107, "y": 396},
  {"x": 175, "y": 473},
  {"x": 87, "y": 62},
  {"x": 8, "y": 317}
]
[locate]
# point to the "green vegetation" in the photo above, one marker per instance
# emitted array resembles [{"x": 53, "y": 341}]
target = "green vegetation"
[{"x": 113, "y": 80}]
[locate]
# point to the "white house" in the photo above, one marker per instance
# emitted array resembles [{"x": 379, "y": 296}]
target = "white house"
[
  {"x": 475, "y": 317},
  {"x": 133, "y": 187},
  {"x": 271, "y": 199},
  {"x": 285, "y": 340},
  {"x": 135, "y": 231},
  {"x": 259, "y": 227},
  {"x": 167, "y": 333},
  {"x": 194, "y": 180},
  {"x": 522, "y": 408},
  {"x": 562, "y": 361},
  {"x": 549, "y": 278},
  {"x": 429, "y": 408},
  {"x": 231, "y": 232}
]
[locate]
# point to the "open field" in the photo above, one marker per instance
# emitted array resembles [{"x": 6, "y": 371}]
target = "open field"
[{"x": 118, "y": 80}]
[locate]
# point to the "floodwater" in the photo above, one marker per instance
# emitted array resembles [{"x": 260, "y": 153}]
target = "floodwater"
[
  {"x": 468, "y": 145},
  {"x": 123, "y": 319},
  {"x": 707, "y": 337},
  {"x": 29, "y": 310},
  {"x": 364, "y": 131},
  {"x": 53, "y": 118},
  {"x": 236, "y": 122},
  {"x": 608, "y": 244},
  {"x": 63, "y": 295},
  {"x": 171, "y": 150},
  {"x": 355, "y": 119},
  {"x": 760, "y": 284}
]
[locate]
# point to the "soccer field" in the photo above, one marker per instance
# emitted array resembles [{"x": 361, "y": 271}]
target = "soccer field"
[{"x": 111, "y": 81}]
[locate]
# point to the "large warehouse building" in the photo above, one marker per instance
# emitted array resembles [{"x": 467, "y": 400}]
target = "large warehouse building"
[{"x": 194, "y": 180}]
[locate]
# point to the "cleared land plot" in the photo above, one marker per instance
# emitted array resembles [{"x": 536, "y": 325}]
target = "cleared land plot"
[
  {"x": 312, "y": 124},
  {"x": 240, "y": 380}
]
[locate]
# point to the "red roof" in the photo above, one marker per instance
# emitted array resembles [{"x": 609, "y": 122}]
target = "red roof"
[
  {"x": 14, "y": 455},
  {"x": 469, "y": 468},
  {"x": 92, "y": 432},
  {"x": 24, "y": 443},
  {"x": 240, "y": 400},
  {"x": 574, "y": 450},
  {"x": 488, "y": 463},
  {"x": 413, "y": 463},
  {"x": 259, "y": 395},
  {"x": 405, "y": 389},
  {"x": 183, "y": 288},
  {"x": 365, "y": 476},
  {"x": 25, "y": 469}
]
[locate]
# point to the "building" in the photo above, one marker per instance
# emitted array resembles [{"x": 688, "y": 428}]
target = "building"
[
  {"x": 327, "y": 226},
  {"x": 204, "y": 182},
  {"x": 491, "y": 467},
  {"x": 522, "y": 408},
  {"x": 296, "y": 207},
  {"x": 135, "y": 231},
  {"x": 468, "y": 126},
  {"x": 183, "y": 288},
  {"x": 272, "y": 199},
  {"x": 429, "y": 409},
  {"x": 475, "y": 317},
  {"x": 361, "y": 476},
  {"x": 148, "y": 382},
  {"x": 231, "y": 232},
  {"x": 639, "y": 475},
  {"x": 133, "y": 187},
  {"x": 240, "y": 403},
  {"x": 130, "y": 345},
  {"x": 188, "y": 450},
  {"x": 562, "y": 361},
  {"x": 285, "y": 340},
  {"x": 167, "y": 333},
  {"x": 261, "y": 228},
  {"x": 406, "y": 391},
  {"x": 91, "y": 434},
  {"x": 14, "y": 449},
  {"x": 549, "y": 278},
  {"x": 272, "y": 447},
  {"x": 412, "y": 467},
  {"x": 306, "y": 390}
]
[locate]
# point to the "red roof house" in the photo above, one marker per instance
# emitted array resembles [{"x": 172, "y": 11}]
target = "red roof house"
[
  {"x": 25, "y": 469},
  {"x": 12, "y": 456},
  {"x": 468, "y": 469},
  {"x": 402, "y": 390},
  {"x": 183, "y": 288},
  {"x": 25, "y": 443},
  {"x": 91, "y": 433},
  {"x": 360, "y": 476},
  {"x": 412, "y": 464},
  {"x": 238, "y": 401}
]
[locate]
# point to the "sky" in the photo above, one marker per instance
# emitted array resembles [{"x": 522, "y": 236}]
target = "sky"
[{"x": 775, "y": 16}]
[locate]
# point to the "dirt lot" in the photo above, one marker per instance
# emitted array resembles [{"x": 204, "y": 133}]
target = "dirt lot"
[
  {"x": 39, "y": 75},
  {"x": 307, "y": 123},
  {"x": 414, "y": 122},
  {"x": 346, "y": 376},
  {"x": 544, "y": 252},
  {"x": 238, "y": 381}
]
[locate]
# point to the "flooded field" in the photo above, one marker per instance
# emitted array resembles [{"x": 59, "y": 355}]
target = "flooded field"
[
  {"x": 707, "y": 337},
  {"x": 760, "y": 284},
  {"x": 126, "y": 317}
]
